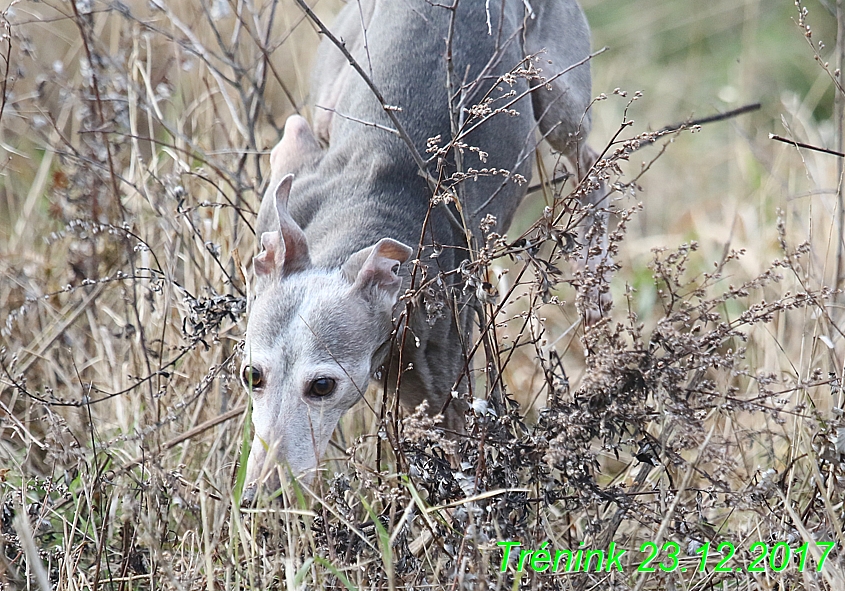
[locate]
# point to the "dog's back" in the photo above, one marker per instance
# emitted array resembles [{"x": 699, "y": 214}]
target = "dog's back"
[{"x": 368, "y": 170}]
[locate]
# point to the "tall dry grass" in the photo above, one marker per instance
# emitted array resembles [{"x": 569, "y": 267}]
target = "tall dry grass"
[{"x": 708, "y": 409}]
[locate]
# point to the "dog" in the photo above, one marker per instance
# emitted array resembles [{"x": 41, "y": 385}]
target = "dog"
[{"x": 349, "y": 204}]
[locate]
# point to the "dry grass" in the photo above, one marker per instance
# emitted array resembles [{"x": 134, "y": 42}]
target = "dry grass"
[{"x": 134, "y": 140}]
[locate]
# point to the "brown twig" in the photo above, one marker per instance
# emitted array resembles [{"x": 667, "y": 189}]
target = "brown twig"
[
  {"x": 190, "y": 434},
  {"x": 786, "y": 140},
  {"x": 750, "y": 108}
]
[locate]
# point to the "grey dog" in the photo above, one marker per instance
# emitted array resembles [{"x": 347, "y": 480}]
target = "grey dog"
[{"x": 347, "y": 202}]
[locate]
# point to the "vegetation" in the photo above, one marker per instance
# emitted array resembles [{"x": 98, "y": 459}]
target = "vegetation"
[{"x": 707, "y": 409}]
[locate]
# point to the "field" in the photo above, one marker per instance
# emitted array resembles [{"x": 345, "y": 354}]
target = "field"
[{"x": 702, "y": 422}]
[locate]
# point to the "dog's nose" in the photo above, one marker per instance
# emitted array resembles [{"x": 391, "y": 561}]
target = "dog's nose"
[
  {"x": 261, "y": 480},
  {"x": 249, "y": 495}
]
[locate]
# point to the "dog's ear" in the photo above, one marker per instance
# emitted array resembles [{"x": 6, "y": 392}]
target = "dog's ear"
[
  {"x": 374, "y": 271},
  {"x": 285, "y": 250},
  {"x": 271, "y": 258}
]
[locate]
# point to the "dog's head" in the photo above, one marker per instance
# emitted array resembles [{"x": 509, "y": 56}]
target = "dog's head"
[{"x": 313, "y": 338}]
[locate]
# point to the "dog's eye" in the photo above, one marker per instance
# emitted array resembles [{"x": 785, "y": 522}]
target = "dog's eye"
[
  {"x": 322, "y": 387},
  {"x": 252, "y": 377}
]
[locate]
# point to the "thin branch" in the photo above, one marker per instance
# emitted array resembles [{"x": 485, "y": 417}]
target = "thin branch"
[
  {"x": 786, "y": 140},
  {"x": 361, "y": 121},
  {"x": 750, "y": 108},
  {"x": 190, "y": 434}
]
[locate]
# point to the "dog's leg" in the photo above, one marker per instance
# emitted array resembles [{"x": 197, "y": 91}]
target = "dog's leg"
[
  {"x": 431, "y": 362},
  {"x": 297, "y": 150},
  {"x": 558, "y": 34}
]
